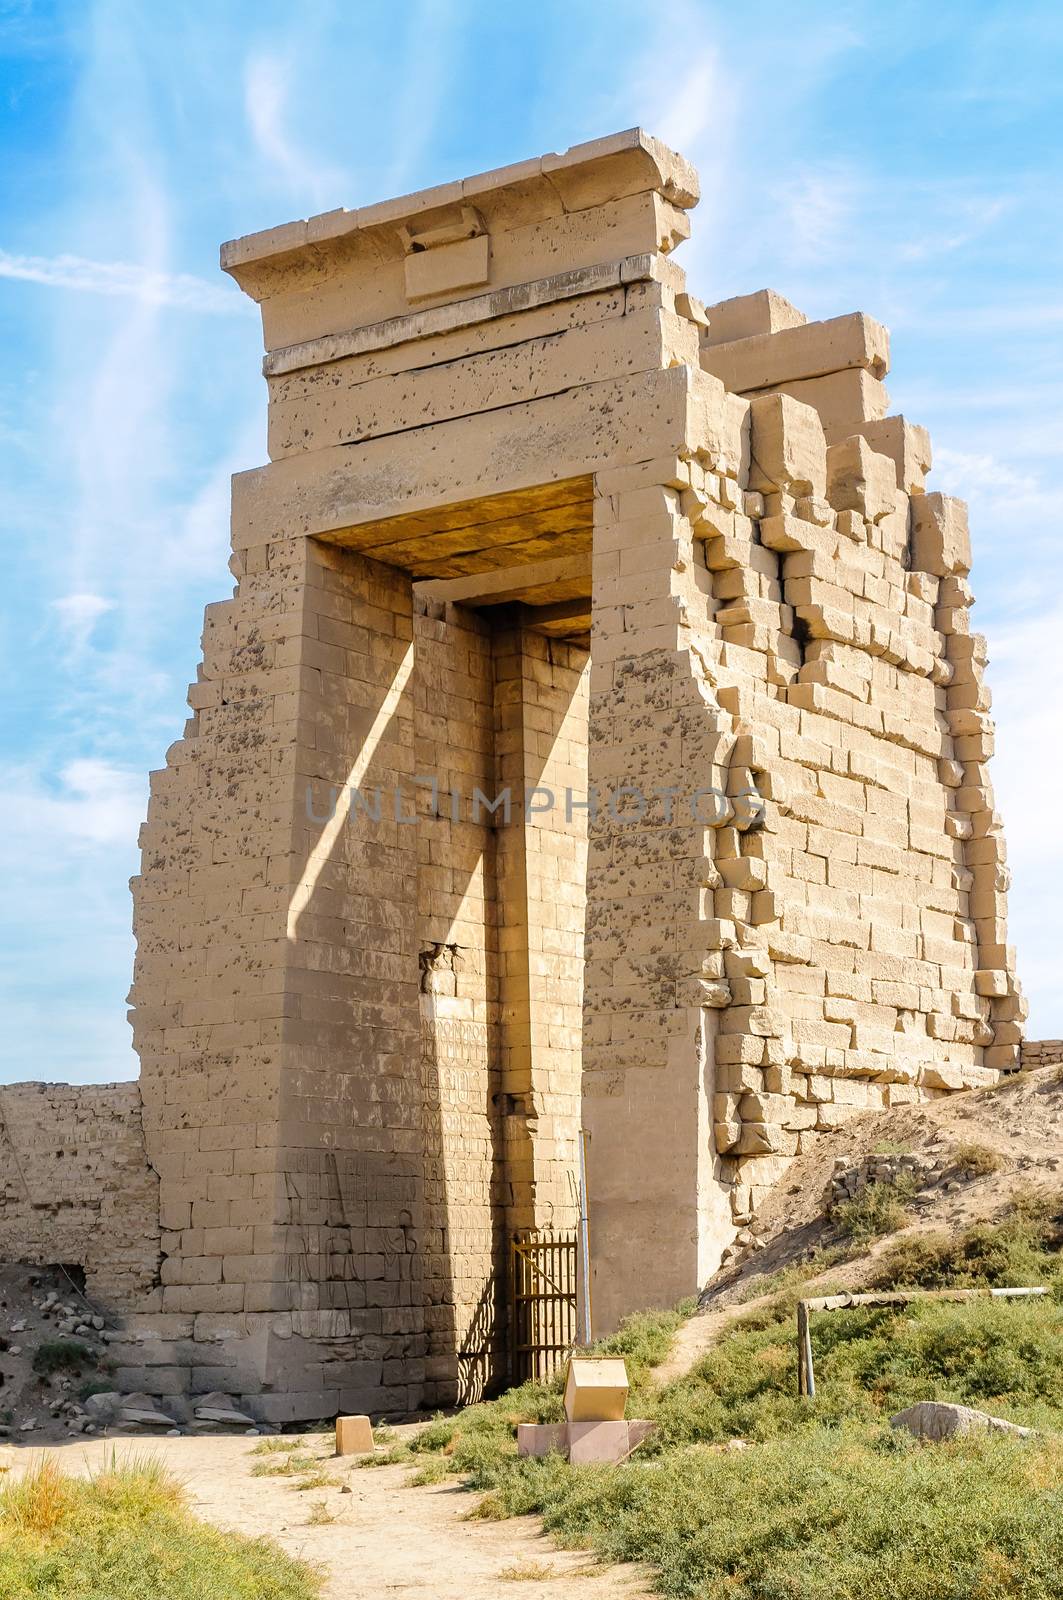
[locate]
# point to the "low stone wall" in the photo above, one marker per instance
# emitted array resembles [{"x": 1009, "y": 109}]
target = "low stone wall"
[
  {"x": 76, "y": 1188},
  {"x": 1041, "y": 1053}
]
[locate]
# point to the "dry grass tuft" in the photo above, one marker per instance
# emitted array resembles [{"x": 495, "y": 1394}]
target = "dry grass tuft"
[
  {"x": 978, "y": 1160},
  {"x": 528, "y": 1572}
]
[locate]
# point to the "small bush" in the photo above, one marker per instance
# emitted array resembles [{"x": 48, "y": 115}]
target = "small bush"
[
  {"x": 315, "y": 1478},
  {"x": 320, "y": 1514},
  {"x": 92, "y": 1386},
  {"x": 62, "y": 1355},
  {"x": 1021, "y": 1250},
  {"x": 881, "y": 1208},
  {"x": 977, "y": 1159}
]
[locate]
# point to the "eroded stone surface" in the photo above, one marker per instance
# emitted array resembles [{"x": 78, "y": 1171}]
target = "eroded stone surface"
[
  {"x": 529, "y": 526},
  {"x": 937, "y": 1420}
]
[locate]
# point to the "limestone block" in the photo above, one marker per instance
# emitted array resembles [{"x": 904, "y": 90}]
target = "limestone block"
[
  {"x": 744, "y": 873},
  {"x": 990, "y": 981},
  {"x": 906, "y": 444},
  {"x": 748, "y": 963},
  {"x": 354, "y": 1436},
  {"x": 595, "y": 1389},
  {"x": 542, "y": 1438},
  {"x": 766, "y": 1138},
  {"x": 744, "y": 315},
  {"x": 940, "y": 540},
  {"x": 787, "y": 448},
  {"x": 605, "y": 1440},
  {"x": 859, "y": 479},
  {"x": 844, "y": 400},
  {"x": 757, "y": 1107},
  {"x": 762, "y": 361}
]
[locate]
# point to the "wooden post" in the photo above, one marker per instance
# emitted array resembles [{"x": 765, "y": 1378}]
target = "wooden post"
[{"x": 806, "y": 1377}]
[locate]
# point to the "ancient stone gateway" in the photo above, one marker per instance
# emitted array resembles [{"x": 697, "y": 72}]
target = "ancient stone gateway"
[{"x": 595, "y": 737}]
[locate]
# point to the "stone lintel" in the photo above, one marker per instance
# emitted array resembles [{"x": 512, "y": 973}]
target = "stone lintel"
[{"x": 585, "y": 175}]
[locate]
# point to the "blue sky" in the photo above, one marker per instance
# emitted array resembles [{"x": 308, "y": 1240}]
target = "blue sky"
[{"x": 904, "y": 160}]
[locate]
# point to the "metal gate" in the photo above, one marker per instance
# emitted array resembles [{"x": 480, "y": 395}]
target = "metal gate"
[{"x": 543, "y": 1296}]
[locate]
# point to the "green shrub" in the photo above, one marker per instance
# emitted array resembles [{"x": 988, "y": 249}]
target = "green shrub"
[
  {"x": 127, "y": 1532},
  {"x": 850, "y": 1513},
  {"x": 826, "y": 1501},
  {"x": 1021, "y": 1250},
  {"x": 92, "y": 1386},
  {"x": 62, "y": 1355},
  {"x": 880, "y": 1208}
]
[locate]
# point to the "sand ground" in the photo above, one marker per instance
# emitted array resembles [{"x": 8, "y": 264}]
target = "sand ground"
[{"x": 387, "y": 1539}]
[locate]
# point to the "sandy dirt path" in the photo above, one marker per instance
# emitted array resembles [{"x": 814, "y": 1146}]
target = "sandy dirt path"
[{"x": 387, "y": 1540}]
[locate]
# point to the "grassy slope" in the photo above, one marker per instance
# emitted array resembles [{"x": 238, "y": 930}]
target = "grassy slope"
[
  {"x": 828, "y": 1501},
  {"x": 127, "y": 1533}
]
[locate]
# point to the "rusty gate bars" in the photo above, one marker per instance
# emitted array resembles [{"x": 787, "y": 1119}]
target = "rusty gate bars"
[{"x": 543, "y": 1302}]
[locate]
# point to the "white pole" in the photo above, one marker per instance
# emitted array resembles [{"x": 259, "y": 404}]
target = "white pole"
[{"x": 584, "y": 1238}]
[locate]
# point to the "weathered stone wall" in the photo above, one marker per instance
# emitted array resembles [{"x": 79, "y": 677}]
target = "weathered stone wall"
[
  {"x": 361, "y": 1038},
  {"x": 786, "y": 619},
  {"x": 1041, "y": 1053},
  {"x": 76, "y": 1188}
]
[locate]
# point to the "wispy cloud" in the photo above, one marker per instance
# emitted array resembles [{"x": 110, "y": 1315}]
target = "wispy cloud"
[
  {"x": 815, "y": 209},
  {"x": 267, "y": 91},
  {"x": 97, "y": 802},
  {"x": 976, "y": 217},
  {"x": 126, "y": 280},
  {"x": 77, "y": 616}
]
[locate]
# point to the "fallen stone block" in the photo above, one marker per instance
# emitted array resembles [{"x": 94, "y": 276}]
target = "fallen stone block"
[
  {"x": 219, "y": 1407},
  {"x": 103, "y": 1407},
  {"x": 596, "y": 1389},
  {"x": 542, "y": 1438},
  {"x": 597, "y": 1441},
  {"x": 354, "y": 1436},
  {"x": 937, "y": 1420},
  {"x": 142, "y": 1409}
]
